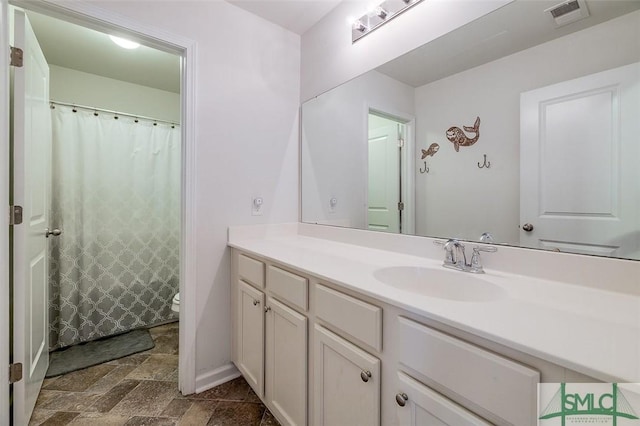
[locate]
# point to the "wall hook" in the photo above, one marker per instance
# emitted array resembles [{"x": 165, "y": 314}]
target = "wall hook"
[
  {"x": 426, "y": 169},
  {"x": 486, "y": 164}
]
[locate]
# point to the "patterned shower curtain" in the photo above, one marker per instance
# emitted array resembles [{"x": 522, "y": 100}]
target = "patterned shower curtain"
[{"x": 116, "y": 198}]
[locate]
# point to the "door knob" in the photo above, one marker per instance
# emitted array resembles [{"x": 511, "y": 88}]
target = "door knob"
[
  {"x": 56, "y": 232},
  {"x": 365, "y": 375},
  {"x": 402, "y": 399},
  {"x": 527, "y": 227},
  {"x": 256, "y": 302}
]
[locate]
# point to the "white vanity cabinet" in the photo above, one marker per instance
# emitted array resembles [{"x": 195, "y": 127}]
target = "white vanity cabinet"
[
  {"x": 315, "y": 353},
  {"x": 286, "y": 363},
  {"x": 496, "y": 387},
  {"x": 270, "y": 338},
  {"x": 347, "y": 382},
  {"x": 346, "y": 377},
  {"x": 249, "y": 353}
]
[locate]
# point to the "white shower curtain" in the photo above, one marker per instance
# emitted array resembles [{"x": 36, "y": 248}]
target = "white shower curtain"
[{"x": 115, "y": 196}]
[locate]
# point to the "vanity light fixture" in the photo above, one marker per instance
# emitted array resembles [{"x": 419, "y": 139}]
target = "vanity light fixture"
[{"x": 379, "y": 15}]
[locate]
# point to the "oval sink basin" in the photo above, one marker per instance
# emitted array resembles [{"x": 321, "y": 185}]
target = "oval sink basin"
[{"x": 440, "y": 283}]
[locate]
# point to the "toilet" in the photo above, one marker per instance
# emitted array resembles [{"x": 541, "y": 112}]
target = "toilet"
[{"x": 175, "y": 303}]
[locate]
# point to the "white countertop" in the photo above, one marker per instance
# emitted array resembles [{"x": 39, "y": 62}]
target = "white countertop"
[{"x": 589, "y": 330}]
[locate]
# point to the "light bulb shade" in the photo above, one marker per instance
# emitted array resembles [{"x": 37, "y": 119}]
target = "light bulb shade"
[
  {"x": 381, "y": 12},
  {"x": 127, "y": 44},
  {"x": 359, "y": 26}
]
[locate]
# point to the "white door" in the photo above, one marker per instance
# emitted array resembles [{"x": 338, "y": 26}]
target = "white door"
[
  {"x": 4, "y": 219},
  {"x": 579, "y": 161},
  {"x": 384, "y": 175},
  {"x": 31, "y": 186},
  {"x": 417, "y": 405},
  {"x": 286, "y": 363},
  {"x": 346, "y": 383},
  {"x": 250, "y": 338}
]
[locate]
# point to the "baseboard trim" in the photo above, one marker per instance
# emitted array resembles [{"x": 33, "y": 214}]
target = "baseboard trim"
[{"x": 216, "y": 377}]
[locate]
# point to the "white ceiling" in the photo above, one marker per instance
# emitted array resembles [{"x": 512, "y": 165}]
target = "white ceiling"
[
  {"x": 512, "y": 28},
  {"x": 79, "y": 48},
  {"x": 295, "y": 15}
]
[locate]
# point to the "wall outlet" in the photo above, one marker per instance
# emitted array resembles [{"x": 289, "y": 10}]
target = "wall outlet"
[{"x": 257, "y": 206}]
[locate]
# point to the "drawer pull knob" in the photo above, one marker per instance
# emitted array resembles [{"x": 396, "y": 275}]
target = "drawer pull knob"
[
  {"x": 267, "y": 309},
  {"x": 365, "y": 375},
  {"x": 256, "y": 302},
  {"x": 402, "y": 399}
]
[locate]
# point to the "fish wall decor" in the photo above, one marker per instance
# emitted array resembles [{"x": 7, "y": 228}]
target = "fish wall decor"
[
  {"x": 458, "y": 138},
  {"x": 431, "y": 151}
]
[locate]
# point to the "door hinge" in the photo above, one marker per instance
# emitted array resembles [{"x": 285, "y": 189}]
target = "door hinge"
[
  {"x": 16, "y": 57},
  {"x": 15, "y": 215},
  {"x": 400, "y": 143},
  {"x": 401, "y": 206},
  {"x": 15, "y": 372}
]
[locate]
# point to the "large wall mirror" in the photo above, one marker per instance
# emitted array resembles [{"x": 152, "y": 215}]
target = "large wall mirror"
[{"x": 519, "y": 128}]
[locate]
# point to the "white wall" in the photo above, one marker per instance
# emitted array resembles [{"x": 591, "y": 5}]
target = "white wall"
[
  {"x": 335, "y": 143},
  {"x": 247, "y": 85},
  {"x": 455, "y": 197},
  {"x": 330, "y": 59},
  {"x": 81, "y": 88}
]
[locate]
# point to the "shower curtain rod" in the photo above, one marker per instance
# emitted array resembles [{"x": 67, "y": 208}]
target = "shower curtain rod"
[{"x": 89, "y": 108}]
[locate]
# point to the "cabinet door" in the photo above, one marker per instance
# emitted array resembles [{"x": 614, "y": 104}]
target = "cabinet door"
[
  {"x": 419, "y": 405},
  {"x": 250, "y": 335},
  {"x": 286, "y": 363},
  {"x": 346, "y": 382}
]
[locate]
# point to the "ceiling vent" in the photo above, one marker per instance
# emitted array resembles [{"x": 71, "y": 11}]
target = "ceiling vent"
[{"x": 568, "y": 12}]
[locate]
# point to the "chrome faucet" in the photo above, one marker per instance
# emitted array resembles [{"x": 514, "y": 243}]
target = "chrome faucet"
[
  {"x": 456, "y": 253},
  {"x": 456, "y": 258}
]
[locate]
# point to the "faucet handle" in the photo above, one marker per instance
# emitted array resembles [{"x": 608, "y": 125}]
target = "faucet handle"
[
  {"x": 449, "y": 257},
  {"x": 489, "y": 249},
  {"x": 476, "y": 262}
]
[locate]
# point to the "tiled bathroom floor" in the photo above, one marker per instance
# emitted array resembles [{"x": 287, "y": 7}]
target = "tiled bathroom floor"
[{"x": 142, "y": 389}]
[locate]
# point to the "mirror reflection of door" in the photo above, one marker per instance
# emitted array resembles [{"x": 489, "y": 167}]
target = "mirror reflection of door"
[
  {"x": 384, "y": 201},
  {"x": 580, "y": 134}
]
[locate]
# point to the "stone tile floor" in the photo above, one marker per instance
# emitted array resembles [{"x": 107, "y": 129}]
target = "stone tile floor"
[{"x": 142, "y": 389}]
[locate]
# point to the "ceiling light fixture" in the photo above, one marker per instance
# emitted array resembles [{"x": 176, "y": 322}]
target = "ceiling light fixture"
[
  {"x": 377, "y": 16},
  {"x": 127, "y": 44}
]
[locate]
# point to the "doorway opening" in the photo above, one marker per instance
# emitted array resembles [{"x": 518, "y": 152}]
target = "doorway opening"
[
  {"x": 130, "y": 256},
  {"x": 389, "y": 198}
]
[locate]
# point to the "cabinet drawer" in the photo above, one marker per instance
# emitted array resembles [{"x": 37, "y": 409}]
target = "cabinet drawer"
[
  {"x": 355, "y": 317},
  {"x": 288, "y": 287},
  {"x": 251, "y": 270},
  {"x": 504, "y": 388}
]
